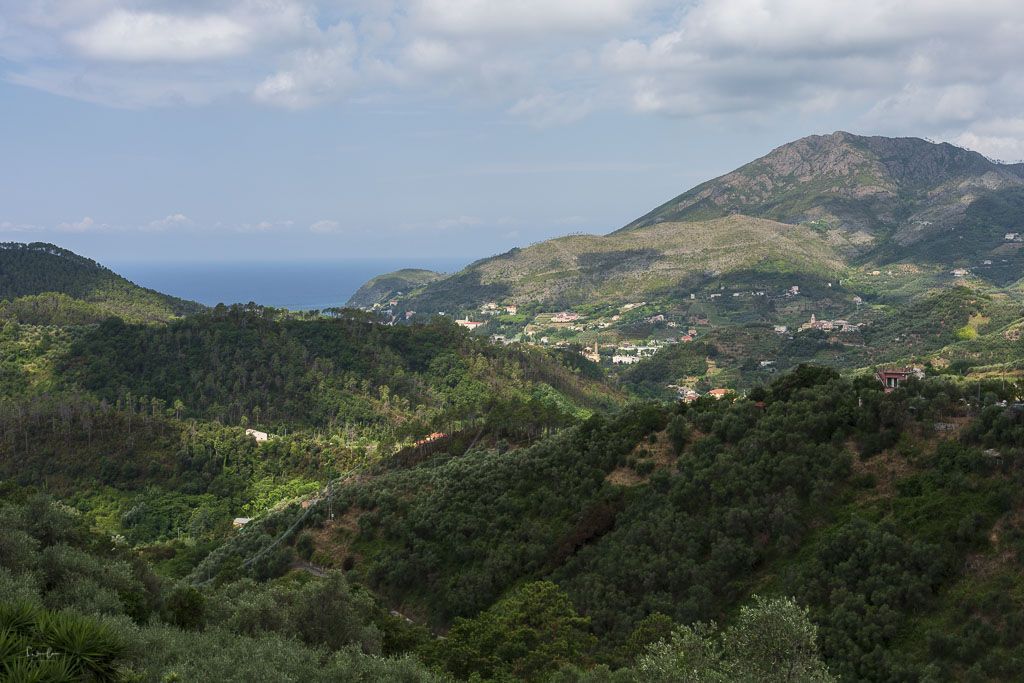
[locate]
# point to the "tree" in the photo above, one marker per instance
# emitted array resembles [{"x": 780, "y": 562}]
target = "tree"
[
  {"x": 528, "y": 635},
  {"x": 772, "y": 641}
]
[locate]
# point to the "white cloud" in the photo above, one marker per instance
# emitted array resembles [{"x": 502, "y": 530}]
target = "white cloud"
[
  {"x": 748, "y": 54},
  {"x": 313, "y": 75},
  {"x": 430, "y": 55},
  {"x": 488, "y": 17},
  {"x": 1001, "y": 139},
  {"x": 87, "y": 224},
  {"x": 261, "y": 226},
  {"x": 143, "y": 36},
  {"x": 935, "y": 67}
]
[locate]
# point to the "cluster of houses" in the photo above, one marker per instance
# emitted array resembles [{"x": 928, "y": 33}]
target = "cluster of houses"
[
  {"x": 488, "y": 309},
  {"x": 792, "y": 291},
  {"x": 628, "y": 354},
  {"x": 491, "y": 308},
  {"x": 632, "y": 353},
  {"x": 689, "y": 395},
  {"x": 828, "y": 325}
]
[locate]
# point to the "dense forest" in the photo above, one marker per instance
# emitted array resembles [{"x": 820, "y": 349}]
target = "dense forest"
[{"x": 256, "y": 365}]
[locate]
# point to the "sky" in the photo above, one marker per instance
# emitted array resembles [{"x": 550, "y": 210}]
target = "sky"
[{"x": 306, "y": 130}]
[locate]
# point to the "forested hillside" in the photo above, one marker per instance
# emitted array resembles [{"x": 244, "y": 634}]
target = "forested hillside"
[
  {"x": 144, "y": 425},
  {"x": 98, "y": 613},
  {"x": 264, "y": 367},
  {"x": 894, "y": 517},
  {"x": 881, "y": 530},
  {"x": 139, "y": 560},
  {"x": 45, "y": 284}
]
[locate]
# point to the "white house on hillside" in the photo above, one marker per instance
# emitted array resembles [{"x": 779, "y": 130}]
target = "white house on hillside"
[{"x": 258, "y": 435}]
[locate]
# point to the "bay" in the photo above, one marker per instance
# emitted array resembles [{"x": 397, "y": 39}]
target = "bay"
[{"x": 296, "y": 286}]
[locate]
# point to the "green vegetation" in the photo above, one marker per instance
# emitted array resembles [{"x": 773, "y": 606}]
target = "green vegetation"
[
  {"x": 44, "y": 284},
  {"x": 77, "y": 607},
  {"x": 381, "y": 289},
  {"x": 37, "y": 644},
  {"x": 526, "y": 636},
  {"x": 603, "y": 551},
  {"x": 834, "y": 493},
  {"x": 256, "y": 366},
  {"x": 772, "y": 640}
]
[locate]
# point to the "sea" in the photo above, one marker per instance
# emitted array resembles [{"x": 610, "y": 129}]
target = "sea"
[{"x": 296, "y": 286}]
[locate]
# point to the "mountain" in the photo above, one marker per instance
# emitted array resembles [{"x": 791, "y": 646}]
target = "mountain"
[
  {"x": 818, "y": 205},
  {"x": 897, "y": 196},
  {"x": 380, "y": 289},
  {"x": 42, "y": 283}
]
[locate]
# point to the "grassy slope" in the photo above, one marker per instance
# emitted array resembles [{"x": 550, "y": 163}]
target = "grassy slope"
[{"x": 619, "y": 268}]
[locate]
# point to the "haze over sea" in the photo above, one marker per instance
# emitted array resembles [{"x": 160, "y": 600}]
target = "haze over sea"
[{"x": 297, "y": 286}]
